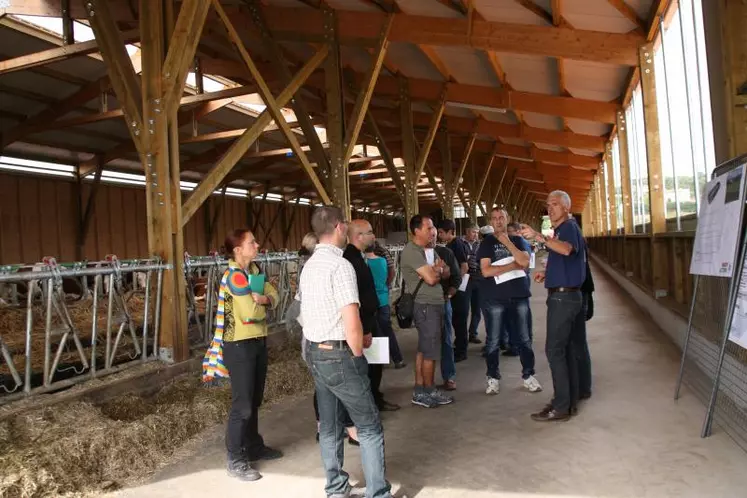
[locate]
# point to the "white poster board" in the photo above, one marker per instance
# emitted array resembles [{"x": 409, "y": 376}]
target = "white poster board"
[{"x": 717, "y": 235}]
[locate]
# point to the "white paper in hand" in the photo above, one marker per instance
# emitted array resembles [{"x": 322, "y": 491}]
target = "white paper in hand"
[
  {"x": 509, "y": 275},
  {"x": 378, "y": 353},
  {"x": 465, "y": 281},
  {"x": 430, "y": 256},
  {"x": 532, "y": 261}
]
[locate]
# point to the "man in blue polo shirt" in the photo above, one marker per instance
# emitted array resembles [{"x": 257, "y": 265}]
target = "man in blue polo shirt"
[
  {"x": 505, "y": 295},
  {"x": 564, "y": 276}
]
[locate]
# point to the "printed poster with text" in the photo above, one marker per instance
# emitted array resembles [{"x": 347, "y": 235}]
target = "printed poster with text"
[{"x": 717, "y": 235}]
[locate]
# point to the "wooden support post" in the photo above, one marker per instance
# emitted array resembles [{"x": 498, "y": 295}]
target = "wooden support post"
[
  {"x": 494, "y": 199},
  {"x": 437, "y": 189},
  {"x": 611, "y": 194},
  {"x": 68, "y": 29},
  {"x": 448, "y": 184},
  {"x": 162, "y": 196},
  {"x": 408, "y": 152},
  {"x": 386, "y": 157},
  {"x": 465, "y": 160},
  {"x": 339, "y": 181},
  {"x": 603, "y": 198},
  {"x": 486, "y": 174},
  {"x": 425, "y": 150},
  {"x": 655, "y": 176},
  {"x": 734, "y": 44},
  {"x": 594, "y": 216},
  {"x": 86, "y": 211},
  {"x": 622, "y": 142}
]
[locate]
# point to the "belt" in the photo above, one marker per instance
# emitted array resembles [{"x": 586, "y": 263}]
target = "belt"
[
  {"x": 341, "y": 345},
  {"x": 563, "y": 289},
  {"x": 253, "y": 321}
]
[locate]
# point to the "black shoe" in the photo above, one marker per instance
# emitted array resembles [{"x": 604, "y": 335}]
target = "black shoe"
[
  {"x": 241, "y": 469},
  {"x": 265, "y": 453},
  {"x": 459, "y": 358},
  {"x": 584, "y": 396},
  {"x": 317, "y": 437},
  {"x": 550, "y": 416},
  {"x": 400, "y": 364},
  {"x": 385, "y": 406},
  {"x": 475, "y": 340}
]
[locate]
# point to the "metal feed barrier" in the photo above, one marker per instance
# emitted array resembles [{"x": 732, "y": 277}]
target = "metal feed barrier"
[{"x": 47, "y": 348}]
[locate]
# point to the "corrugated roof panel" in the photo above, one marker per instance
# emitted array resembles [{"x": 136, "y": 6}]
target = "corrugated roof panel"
[
  {"x": 499, "y": 117},
  {"x": 514, "y": 141},
  {"x": 556, "y": 148},
  {"x": 24, "y": 149},
  {"x": 347, "y": 5},
  {"x": 510, "y": 11},
  {"x": 588, "y": 127},
  {"x": 427, "y": 8},
  {"x": 355, "y": 57},
  {"x": 410, "y": 61},
  {"x": 74, "y": 139},
  {"x": 531, "y": 73},
  {"x": 32, "y": 82},
  {"x": 20, "y": 105},
  {"x": 594, "y": 80},
  {"x": 543, "y": 121},
  {"x": 584, "y": 152},
  {"x": 468, "y": 66},
  {"x": 596, "y": 16}
]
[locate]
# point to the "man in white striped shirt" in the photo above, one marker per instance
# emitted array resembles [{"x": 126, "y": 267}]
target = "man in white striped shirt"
[{"x": 331, "y": 325}]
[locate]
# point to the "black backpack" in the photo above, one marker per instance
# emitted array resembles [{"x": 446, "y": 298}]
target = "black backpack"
[{"x": 404, "y": 306}]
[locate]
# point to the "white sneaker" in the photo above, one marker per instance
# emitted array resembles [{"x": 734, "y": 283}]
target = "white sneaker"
[
  {"x": 532, "y": 384},
  {"x": 494, "y": 386}
]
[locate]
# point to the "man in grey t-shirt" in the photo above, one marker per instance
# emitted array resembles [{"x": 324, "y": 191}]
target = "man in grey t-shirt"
[{"x": 429, "y": 307}]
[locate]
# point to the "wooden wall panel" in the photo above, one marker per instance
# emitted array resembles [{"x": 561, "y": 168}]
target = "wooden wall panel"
[{"x": 39, "y": 217}]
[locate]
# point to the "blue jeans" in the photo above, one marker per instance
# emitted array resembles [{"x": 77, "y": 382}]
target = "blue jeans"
[
  {"x": 341, "y": 382},
  {"x": 384, "y": 318},
  {"x": 518, "y": 312},
  {"x": 448, "y": 368},
  {"x": 473, "y": 291},
  {"x": 566, "y": 330}
]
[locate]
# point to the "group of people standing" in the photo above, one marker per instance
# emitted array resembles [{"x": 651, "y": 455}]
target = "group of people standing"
[{"x": 344, "y": 303}]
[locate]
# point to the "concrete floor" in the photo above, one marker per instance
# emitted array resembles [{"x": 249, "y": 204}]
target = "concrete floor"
[{"x": 629, "y": 440}]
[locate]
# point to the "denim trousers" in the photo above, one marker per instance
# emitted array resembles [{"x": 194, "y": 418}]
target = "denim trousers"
[
  {"x": 509, "y": 339},
  {"x": 384, "y": 319},
  {"x": 460, "y": 304},
  {"x": 341, "y": 382},
  {"x": 565, "y": 333},
  {"x": 518, "y": 312},
  {"x": 246, "y": 362},
  {"x": 583, "y": 359},
  {"x": 473, "y": 293},
  {"x": 448, "y": 367}
]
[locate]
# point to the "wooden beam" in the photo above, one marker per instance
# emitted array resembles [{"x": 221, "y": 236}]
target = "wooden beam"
[
  {"x": 60, "y": 53},
  {"x": 239, "y": 147},
  {"x": 486, "y": 174},
  {"x": 501, "y": 37},
  {"x": 448, "y": 173},
  {"x": 353, "y": 127},
  {"x": 653, "y": 140},
  {"x": 272, "y": 105},
  {"x": 408, "y": 150},
  {"x": 465, "y": 160},
  {"x": 436, "y": 187},
  {"x": 622, "y": 142},
  {"x": 300, "y": 109},
  {"x": 182, "y": 47},
  {"x": 611, "y": 194},
  {"x": 629, "y": 13},
  {"x": 121, "y": 72},
  {"x": 425, "y": 150},
  {"x": 387, "y": 156}
]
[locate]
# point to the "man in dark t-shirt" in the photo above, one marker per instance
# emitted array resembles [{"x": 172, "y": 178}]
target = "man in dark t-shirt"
[
  {"x": 460, "y": 302},
  {"x": 505, "y": 295},
  {"x": 564, "y": 276}
]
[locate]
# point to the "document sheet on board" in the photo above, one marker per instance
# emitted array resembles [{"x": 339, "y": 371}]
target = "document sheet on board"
[
  {"x": 738, "y": 330},
  {"x": 717, "y": 234}
]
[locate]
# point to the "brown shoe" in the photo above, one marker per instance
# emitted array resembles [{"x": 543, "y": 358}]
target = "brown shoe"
[
  {"x": 551, "y": 415},
  {"x": 449, "y": 385}
]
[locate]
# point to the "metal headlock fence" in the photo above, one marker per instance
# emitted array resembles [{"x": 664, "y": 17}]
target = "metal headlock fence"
[{"x": 65, "y": 323}]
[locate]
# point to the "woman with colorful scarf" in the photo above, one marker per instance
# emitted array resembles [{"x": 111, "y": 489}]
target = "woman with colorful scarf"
[{"x": 239, "y": 350}]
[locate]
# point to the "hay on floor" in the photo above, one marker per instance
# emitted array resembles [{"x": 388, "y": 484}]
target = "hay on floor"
[{"x": 80, "y": 448}]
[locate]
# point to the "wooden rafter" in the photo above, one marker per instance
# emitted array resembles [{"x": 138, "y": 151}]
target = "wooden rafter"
[
  {"x": 629, "y": 13},
  {"x": 465, "y": 160},
  {"x": 239, "y": 147},
  {"x": 272, "y": 105}
]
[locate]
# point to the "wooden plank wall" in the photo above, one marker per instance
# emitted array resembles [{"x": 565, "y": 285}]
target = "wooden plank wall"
[{"x": 38, "y": 217}]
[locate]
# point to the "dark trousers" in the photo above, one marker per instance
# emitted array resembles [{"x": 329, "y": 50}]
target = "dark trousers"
[
  {"x": 247, "y": 367},
  {"x": 460, "y": 305},
  {"x": 384, "y": 320},
  {"x": 473, "y": 291},
  {"x": 565, "y": 317},
  {"x": 346, "y": 422},
  {"x": 583, "y": 359},
  {"x": 518, "y": 312},
  {"x": 341, "y": 382}
]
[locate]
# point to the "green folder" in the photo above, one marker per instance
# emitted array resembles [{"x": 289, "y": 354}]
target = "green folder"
[{"x": 257, "y": 283}]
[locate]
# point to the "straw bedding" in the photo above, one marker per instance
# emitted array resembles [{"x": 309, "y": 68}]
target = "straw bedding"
[{"x": 80, "y": 449}]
